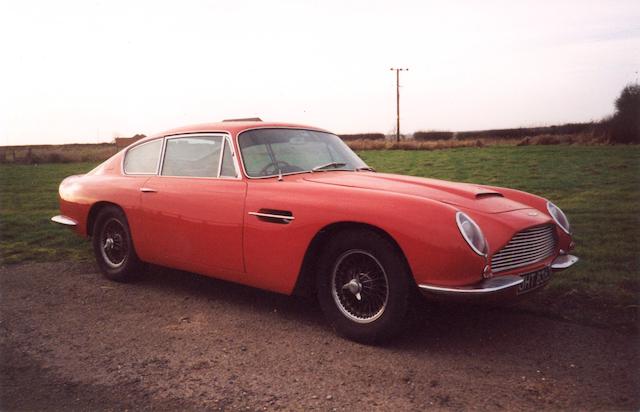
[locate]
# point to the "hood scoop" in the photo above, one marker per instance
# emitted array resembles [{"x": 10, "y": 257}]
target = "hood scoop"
[{"x": 483, "y": 195}]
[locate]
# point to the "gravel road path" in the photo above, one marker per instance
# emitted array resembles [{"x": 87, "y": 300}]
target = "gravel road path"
[{"x": 70, "y": 339}]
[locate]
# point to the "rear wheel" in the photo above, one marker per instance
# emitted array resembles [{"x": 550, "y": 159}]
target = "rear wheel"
[
  {"x": 364, "y": 286},
  {"x": 113, "y": 246}
]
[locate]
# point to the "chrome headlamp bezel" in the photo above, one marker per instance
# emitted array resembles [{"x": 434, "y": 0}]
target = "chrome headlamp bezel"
[
  {"x": 559, "y": 217},
  {"x": 480, "y": 249}
]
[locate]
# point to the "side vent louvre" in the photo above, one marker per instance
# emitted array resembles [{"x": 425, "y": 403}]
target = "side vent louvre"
[{"x": 281, "y": 217}]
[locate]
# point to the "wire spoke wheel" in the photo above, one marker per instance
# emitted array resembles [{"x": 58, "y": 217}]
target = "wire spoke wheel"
[
  {"x": 359, "y": 286},
  {"x": 113, "y": 244}
]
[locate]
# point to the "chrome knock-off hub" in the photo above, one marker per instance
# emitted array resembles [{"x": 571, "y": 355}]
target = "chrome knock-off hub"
[{"x": 354, "y": 286}]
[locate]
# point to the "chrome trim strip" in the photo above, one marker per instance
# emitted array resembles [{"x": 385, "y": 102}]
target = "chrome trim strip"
[
  {"x": 522, "y": 253},
  {"x": 161, "y": 162},
  {"x": 223, "y": 134},
  {"x": 308, "y": 128},
  {"x": 487, "y": 286},
  {"x": 147, "y": 190},
  {"x": 64, "y": 220},
  {"x": 237, "y": 142},
  {"x": 164, "y": 152},
  {"x": 549, "y": 203},
  {"x": 532, "y": 238},
  {"x": 563, "y": 262},
  {"x": 466, "y": 238},
  {"x": 525, "y": 247},
  {"x": 284, "y": 217},
  {"x": 226, "y": 138},
  {"x": 224, "y": 142}
]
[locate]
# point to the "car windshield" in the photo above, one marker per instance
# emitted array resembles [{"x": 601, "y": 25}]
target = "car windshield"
[{"x": 270, "y": 152}]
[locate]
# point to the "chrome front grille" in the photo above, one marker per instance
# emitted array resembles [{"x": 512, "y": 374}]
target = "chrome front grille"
[{"x": 526, "y": 247}]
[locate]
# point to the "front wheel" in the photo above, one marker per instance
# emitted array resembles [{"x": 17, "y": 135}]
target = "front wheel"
[
  {"x": 113, "y": 246},
  {"x": 364, "y": 286}
]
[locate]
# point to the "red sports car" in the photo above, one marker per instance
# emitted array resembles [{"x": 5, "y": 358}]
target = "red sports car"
[{"x": 292, "y": 209}]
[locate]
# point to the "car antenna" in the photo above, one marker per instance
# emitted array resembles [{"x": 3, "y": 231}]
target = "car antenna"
[{"x": 279, "y": 175}]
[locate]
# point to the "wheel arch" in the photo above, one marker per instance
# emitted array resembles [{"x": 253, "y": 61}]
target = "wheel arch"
[
  {"x": 305, "y": 284},
  {"x": 93, "y": 214}
]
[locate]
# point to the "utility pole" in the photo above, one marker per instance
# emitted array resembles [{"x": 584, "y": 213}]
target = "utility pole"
[{"x": 398, "y": 70}]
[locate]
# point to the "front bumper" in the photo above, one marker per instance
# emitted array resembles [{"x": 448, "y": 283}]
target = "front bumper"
[{"x": 494, "y": 286}]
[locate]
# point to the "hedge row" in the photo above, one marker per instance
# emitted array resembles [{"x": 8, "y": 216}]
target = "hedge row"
[
  {"x": 362, "y": 136},
  {"x": 565, "y": 129},
  {"x": 429, "y": 136}
]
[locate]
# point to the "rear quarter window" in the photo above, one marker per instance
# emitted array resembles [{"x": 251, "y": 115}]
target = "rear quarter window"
[{"x": 143, "y": 159}]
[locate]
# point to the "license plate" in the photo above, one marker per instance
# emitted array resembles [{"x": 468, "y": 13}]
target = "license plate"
[{"x": 534, "y": 280}]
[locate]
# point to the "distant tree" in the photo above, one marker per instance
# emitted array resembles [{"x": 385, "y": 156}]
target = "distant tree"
[{"x": 625, "y": 123}]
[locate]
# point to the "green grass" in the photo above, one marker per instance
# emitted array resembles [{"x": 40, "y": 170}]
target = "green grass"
[
  {"x": 28, "y": 199},
  {"x": 597, "y": 186}
]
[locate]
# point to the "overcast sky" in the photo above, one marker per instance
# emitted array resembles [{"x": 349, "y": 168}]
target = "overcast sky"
[{"x": 86, "y": 71}]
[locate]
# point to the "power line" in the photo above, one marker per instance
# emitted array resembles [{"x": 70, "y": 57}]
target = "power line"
[{"x": 398, "y": 70}]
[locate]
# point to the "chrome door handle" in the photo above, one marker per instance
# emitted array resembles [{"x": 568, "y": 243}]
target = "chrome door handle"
[{"x": 147, "y": 190}]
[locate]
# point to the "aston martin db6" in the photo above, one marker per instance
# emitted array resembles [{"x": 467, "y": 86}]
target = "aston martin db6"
[{"x": 292, "y": 209}]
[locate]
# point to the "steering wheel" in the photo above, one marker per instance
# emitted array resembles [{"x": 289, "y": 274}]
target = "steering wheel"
[{"x": 277, "y": 165}]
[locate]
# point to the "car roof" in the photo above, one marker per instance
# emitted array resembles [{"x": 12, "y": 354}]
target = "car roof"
[{"x": 232, "y": 127}]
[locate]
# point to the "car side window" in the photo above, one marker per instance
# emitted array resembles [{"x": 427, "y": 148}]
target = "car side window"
[
  {"x": 197, "y": 156},
  {"x": 143, "y": 159},
  {"x": 228, "y": 169}
]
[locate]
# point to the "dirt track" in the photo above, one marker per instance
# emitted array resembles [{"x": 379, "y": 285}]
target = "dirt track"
[{"x": 72, "y": 340}]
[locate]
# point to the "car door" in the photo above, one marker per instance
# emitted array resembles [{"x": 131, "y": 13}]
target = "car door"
[
  {"x": 193, "y": 209},
  {"x": 140, "y": 162}
]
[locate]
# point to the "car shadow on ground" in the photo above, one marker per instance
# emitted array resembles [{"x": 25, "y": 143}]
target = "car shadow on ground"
[
  {"x": 240, "y": 296},
  {"x": 431, "y": 323}
]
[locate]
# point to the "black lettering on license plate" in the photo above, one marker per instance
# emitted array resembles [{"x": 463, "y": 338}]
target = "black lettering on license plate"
[{"x": 534, "y": 280}]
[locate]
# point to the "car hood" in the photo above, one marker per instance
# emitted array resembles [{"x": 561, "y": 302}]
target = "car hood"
[{"x": 464, "y": 195}]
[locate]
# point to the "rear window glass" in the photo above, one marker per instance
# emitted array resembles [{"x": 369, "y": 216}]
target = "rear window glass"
[{"x": 143, "y": 159}]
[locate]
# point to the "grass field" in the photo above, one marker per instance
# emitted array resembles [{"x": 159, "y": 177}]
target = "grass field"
[
  {"x": 28, "y": 199},
  {"x": 597, "y": 186}
]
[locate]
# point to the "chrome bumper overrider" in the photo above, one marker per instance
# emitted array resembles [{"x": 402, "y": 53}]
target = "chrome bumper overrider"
[
  {"x": 563, "y": 262},
  {"x": 495, "y": 285},
  {"x": 64, "y": 220}
]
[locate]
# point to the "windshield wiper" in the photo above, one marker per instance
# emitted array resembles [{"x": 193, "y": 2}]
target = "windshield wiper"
[
  {"x": 331, "y": 164},
  {"x": 370, "y": 169}
]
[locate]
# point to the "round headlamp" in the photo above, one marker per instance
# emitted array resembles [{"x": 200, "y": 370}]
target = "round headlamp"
[
  {"x": 472, "y": 233},
  {"x": 559, "y": 217}
]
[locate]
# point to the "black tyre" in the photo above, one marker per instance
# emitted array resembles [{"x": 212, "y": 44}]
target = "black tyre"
[
  {"x": 364, "y": 286},
  {"x": 112, "y": 245}
]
